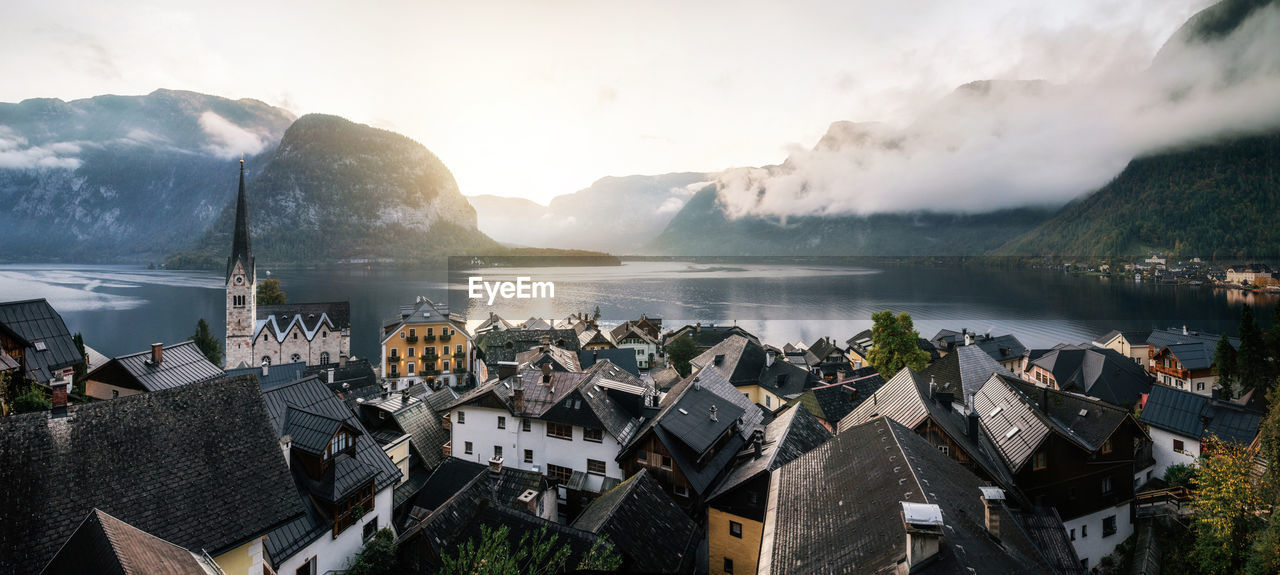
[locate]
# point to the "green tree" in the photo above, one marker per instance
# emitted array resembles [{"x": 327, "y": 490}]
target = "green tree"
[
  {"x": 1251, "y": 359},
  {"x": 1224, "y": 366},
  {"x": 1226, "y": 507},
  {"x": 1180, "y": 475},
  {"x": 894, "y": 344},
  {"x": 33, "y": 399},
  {"x": 535, "y": 554},
  {"x": 269, "y": 292},
  {"x": 378, "y": 556},
  {"x": 1272, "y": 340},
  {"x": 209, "y": 345},
  {"x": 680, "y": 351},
  {"x": 601, "y": 556}
]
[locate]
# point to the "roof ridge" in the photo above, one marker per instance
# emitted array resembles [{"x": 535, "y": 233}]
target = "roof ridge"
[
  {"x": 634, "y": 481},
  {"x": 907, "y": 464}
]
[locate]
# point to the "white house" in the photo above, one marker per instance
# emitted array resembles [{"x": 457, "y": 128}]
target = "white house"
[
  {"x": 1179, "y": 420},
  {"x": 645, "y": 347}
]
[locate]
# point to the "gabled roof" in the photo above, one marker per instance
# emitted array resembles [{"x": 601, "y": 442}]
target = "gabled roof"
[
  {"x": 1138, "y": 337},
  {"x": 1002, "y": 347},
  {"x": 1194, "y": 355},
  {"x": 837, "y": 509},
  {"x": 966, "y": 367},
  {"x": 40, "y": 325},
  {"x": 422, "y": 311},
  {"x": 825, "y": 347},
  {"x": 624, "y": 358},
  {"x": 536, "y": 323},
  {"x": 493, "y": 322},
  {"x": 105, "y": 545},
  {"x": 180, "y": 364},
  {"x": 646, "y": 527},
  {"x": 1097, "y": 372},
  {"x": 1161, "y": 338},
  {"x": 504, "y": 345},
  {"x": 416, "y": 417},
  {"x": 278, "y": 320},
  {"x": 198, "y": 466},
  {"x": 277, "y": 375},
  {"x": 706, "y": 336},
  {"x": 559, "y": 358},
  {"x": 1196, "y": 416},
  {"x": 792, "y": 434},
  {"x": 310, "y": 431}
]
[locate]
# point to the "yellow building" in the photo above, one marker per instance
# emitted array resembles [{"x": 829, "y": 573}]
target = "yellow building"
[{"x": 426, "y": 342}]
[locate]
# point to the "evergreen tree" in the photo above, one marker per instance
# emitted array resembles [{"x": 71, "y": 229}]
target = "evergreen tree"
[
  {"x": 1224, "y": 366},
  {"x": 82, "y": 368},
  {"x": 1251, "y": 361},
  {"x": 209, "y": 345},
  {"x": 1272, "y": 340},
  {"x": 895, "y": 344},
  {"x": 680, "y": 351},
  {"x": 269, "y": 292}
]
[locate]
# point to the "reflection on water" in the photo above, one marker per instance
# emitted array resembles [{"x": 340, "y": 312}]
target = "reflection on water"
[{"x": 122, "y": 309}]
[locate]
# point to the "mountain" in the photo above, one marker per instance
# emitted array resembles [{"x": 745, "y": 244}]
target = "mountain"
[
  {"x": 114, "y": 178},
  {"x": 615, "y": 214},
  {"x": 335, "y": 190},
  {"x": 1218, "y": 200}
]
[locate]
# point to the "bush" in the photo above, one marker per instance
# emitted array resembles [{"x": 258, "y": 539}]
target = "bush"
[
  {"x": 1181, "y": 475},
  {"x": 33, "y": 399},
  {"x": 378, "y": 556}
]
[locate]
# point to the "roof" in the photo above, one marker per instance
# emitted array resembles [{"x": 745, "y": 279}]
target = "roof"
[
  {"x": 278, "y": 320},
  {"x": 277, "y": 375},
  {"x": 198, "y": 466},
  {"x": 843, "y": 501},
  {"x": 240, "y": 249},
  {"x": 967, "y": 367},
  {"x": 493, "y": 322},
  {"x": 1097, "y": 372},
  {"x": 1002, "y": 347},
  {"x": 505, "y": 344},
  {"x": 105, "y": 545},
  {"x": 706, "y": 336},
  {"x": 665, "y": 378},
  {"x": 1193, "y": 355},
  {"x": 744, "y": 362},
  {"x": 624, "y": 358},
  {"x": 1138, "y": 337},
  {"x": 1196, "y": 416},
  {"x": 180, "y": 364},
  {"x": 1165, "y": 337},
  {"x": 37, "y": 322},
  {"x": 416, "y": 417},
  {"x": 423, "y": 311},
  {"x": 559, "y": 358},
  {"x": 793, "y": 433},
  {"x": 644, "y": 525}
]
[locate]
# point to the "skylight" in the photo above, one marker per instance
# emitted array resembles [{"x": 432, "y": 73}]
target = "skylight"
[
  {"x": 1012, "y": 432},
  {"x": 996, "y": 411},
  {"x": 683, "y": 412},
  {"x": 40, "y": 346}
]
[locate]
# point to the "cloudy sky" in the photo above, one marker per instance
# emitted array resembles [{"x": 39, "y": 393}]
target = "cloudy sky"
[{"x": 536, "y": 99}]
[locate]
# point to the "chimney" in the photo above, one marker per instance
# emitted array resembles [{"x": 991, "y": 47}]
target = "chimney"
[
  {"x": 697, "y": 327},
  {"x": 769, "y": 356},
  {"x": 342, "y": 360},
  {"x": 60, "y": 387},
  {"x": 973, "y": 426},
  {"x": 529, "y": 501},
  {"x": 757, "y": 444},
  {"x": 495, "y": 466},
  {"x": 713, "y": 412},
  {"x": 286, "y": 442},
  {"x": 517, "y": 399},
  {"x": 506, "y": 369},
  {"x": 266, "y": 368},
  {"x": 1184, "y": 329},
  {"x": 923, "y": 523},
  {"x": 992, "y": 499},
  {"x": 968, "y": 339},
  {"x": 330, "y": 374},
  {"x": 719, "y": 359},
  {"x": 157, "y": 353},
  {"x": 697, "y": 383},
  {"x": 546, "y": 373}
]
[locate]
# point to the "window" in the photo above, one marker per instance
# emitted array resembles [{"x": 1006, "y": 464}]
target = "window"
[
  {"x": 1041, "y": 461},
  {"x": 526, "y": 425},
  {"x": 682, "y": 490},
  {"x": 370, "y": 528},
  {"x": 1178, "y": 446},
  {"x": 1073, "y": 534},
  {"x": 1106, "y": 446},
  {"x": 1109, "y": 526},
  {"x": 468, "y": 448},
  {"x": 413, "y": 332},
  {"x": 502, "y": 422},
  {"x": 411, "y": 368},
  {"x": 445, "y": 365},
  {"x": 324, "y": 335},
  {"x": 497, "y": 452},
  {"x": 528, "y": 456},
  {"x": 266, "y": 360},
  {"x": 559, "y": 430},
  {"x": 728, "y": 565},
  {"x": 462, "y": 417},
  {"x": 735, "y": 529},
  {"x": 1106, "y": 486},
  {"x": 1084, "y": 530},
  {"x": 945, "y": 449},
  {"x": 115, "y": 393},
  {"x": 1200, "y": 386},
  {"x": 429, "y": 332},
  {"x": 295, "y": 335},
  {"x": 558, "y": 474},
  {"x": 768, "y": 401},
  {"x": 308, "y": 568},
  {"x": 413, "y": 351},
  {"x": 595, "y": 466},
  {"x": 340, "y": 442},
  {"x": 295, "y": 358},
  {"x": 666, "y": 462},
  {"x": 324, "y": 357},
  {"x": 589, "y": 434},
  {"x": 446, "y": 350}
]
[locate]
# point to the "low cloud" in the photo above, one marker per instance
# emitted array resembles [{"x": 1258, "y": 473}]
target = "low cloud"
[
  {"x": 670, "y": 206},
  {"x": 1001, "y": 144},
  {"x": 15, "y": 153},
  {"x": 228, "y": 140}
]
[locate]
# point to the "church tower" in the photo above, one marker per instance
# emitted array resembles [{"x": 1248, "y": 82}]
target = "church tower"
[{"x": 242, "y": 289}]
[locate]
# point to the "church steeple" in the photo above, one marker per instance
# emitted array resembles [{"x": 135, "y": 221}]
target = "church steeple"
[{"x": 240, "y": 250}]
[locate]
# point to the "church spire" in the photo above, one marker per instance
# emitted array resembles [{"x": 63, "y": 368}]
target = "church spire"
[{"x": 240, "y": 251}]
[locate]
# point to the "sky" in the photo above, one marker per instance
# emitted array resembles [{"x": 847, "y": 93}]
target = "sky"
[{"x": 537, "y": 99}]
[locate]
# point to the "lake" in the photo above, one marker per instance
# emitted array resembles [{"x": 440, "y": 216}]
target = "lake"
[{"x": 122, "y": 309}]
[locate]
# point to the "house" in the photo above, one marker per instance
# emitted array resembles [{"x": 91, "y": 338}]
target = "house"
[
  {"x": 689, "y": 439},
  {"x": 1093, "y": 371},
  {"x": 510, "y": 487},
  {"x": 1074, "y": 453},
  {"x": 757, "y": 373},
  {"x": 502, "y": 346},
  {"x": 859, "y": 346},
  {"x": 34, "y": 337},
  {"x": 162, "y": 367},
  {"x": 736, "y": 508},
  {"x": 647, "y": 529},
  {"x": 558, "y": 358},
  {"x": 898, "y": 507},
  {"x": 623, "y": 358},
  {"x": 650, "y": 326},
  {"x": 921, "y": 405},
  {"x": 340, "y": 473},
  {"x": 1131, "y": 344},
  {"x": 212, "y": 483},
  {"x": 831, "y": 402},
  {"x": 1179, "y": 421},
  {"x": 425, "y": 342},
  {"x": 963, "y": 371},
  {"x": 351, "y": 380},
  {"x": 644, "y": 346},
  {"x": 1252, "y": 274},
  {"x": 1184, "y": 358},
  {"x": 707, "y": 336},
  {"x": 594, "y": 339},
  {"x": 493, "y": 323},
  {"x": 104, "y": 544},
  {"x": 569, "y": 426},
  {"x": 412, "y": 434},
  {"x": 831, "y": 359},
  {"x": 1005, "y": 349},
  {"x": 537, "y": 324}
]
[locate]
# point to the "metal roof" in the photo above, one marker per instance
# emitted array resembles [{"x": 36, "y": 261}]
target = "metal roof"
[
  {"x": 1196, "y": 416},
  {"x": 180, "y": 364},
  {"x": 37, "y": 322}
]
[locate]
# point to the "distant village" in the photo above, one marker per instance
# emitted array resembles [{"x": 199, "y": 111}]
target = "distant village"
[{"x": 638, "y": 447}]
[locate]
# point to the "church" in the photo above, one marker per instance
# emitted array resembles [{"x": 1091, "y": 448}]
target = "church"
[{"x": 315, "y": 333}]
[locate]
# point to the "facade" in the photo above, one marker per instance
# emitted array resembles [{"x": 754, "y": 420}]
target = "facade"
[
  {"x": 1252, "y": 274},
  {"x": 316, "y": 333},
  {"x": 1097, "y": 372},
  {"x": 759, "y": 374},
  {"x": 1183, "y": 358},
  {"x": 163, "y": 367},
  {"x": 641, "y": 343},
  {"x": 1131, "y": 344},
  {"x": 426, "y": 342},
  {"x": 1179, "y": 421}
]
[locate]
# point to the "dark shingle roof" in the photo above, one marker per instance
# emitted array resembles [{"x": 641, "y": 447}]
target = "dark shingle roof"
[
  {"x": 277, "y": 375},
  {"x": 311, "y": 432},
  {"x": 706, "y": 336},
  {"x": 180, "y": 364},
  {"x": 504, "y": 345},
  {"x": 792, "y": 434},
  {"x": 1097, "y": 372},
  {"x": 310, "y": 314},
  {"x": 621, "y": 357},
  {"x": 838, "y": 509},
  {"x": 198, "y": 466},
  {"x": 37, "y": 322},
  {"x": 424, "y": 426},
  {"x": 1002, "y": 347},
  {"x": 1133, "y": 337},
  {"x": 966, "y": 367},
  {"x": 450, "y": 477},
  {"x": 1196, "y": 416},
  {"x": 644, "y": 525},
  {"x": 105, "y": 545}
]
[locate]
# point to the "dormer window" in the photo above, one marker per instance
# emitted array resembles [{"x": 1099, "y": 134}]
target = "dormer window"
[{"x": 342, "y": 441}]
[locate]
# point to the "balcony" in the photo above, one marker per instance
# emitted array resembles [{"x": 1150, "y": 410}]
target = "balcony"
[
  {"x": 460, "y": 353},
  {"x": 445, "y": 337},
  {"x": 428, "y": 338},
  {"x": 411, "y": 339}
]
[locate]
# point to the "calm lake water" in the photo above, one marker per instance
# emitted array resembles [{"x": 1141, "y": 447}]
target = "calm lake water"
[{"x": 122, "y": 309}]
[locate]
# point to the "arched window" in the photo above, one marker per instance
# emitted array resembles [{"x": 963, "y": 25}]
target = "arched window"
[
  {"x": 266, "y": 360},
  {"x": 324, "y": 357},
  {"x": 295, "y": 358}
]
